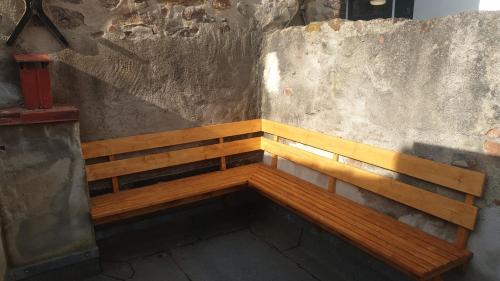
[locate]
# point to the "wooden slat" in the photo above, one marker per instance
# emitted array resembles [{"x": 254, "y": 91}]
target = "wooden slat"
[
  {"x": 463, "y": 233},
  {"x": 223, "y": 158},
  {"x": 322, "y": 205},
  {"x": 379, "y": 249},
  {"x": 114, "y": 206},
  {"x": 164, "y": 206},
  {"x": 168, "y": 159},
  {"x": 382, "y": 236},
  {"x": 114, "y": 180},
  {"x": 378, "y": 243},
  {"x": 149, "y": 141},
  {"x": 319, "y": 218},
  {"x": 274, "y": 158},
  {"x": 431, "y": 203},
  {"x": 463, "y": 180},
  {"x": 332, "y": 182},
  {"x": 368, "y": 214}
]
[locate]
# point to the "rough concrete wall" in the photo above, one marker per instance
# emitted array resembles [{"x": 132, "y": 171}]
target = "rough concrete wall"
[
  {"x": 43, "y": 198},
  {"x": 152, "y": 65},
  {"x": 429, "y": 88},
  {"x": 145, "y": 66}
]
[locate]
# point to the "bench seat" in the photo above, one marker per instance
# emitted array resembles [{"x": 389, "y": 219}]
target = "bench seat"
[
  {"x": 413, "y": 251},
  {"x": 116, "y": 206}
]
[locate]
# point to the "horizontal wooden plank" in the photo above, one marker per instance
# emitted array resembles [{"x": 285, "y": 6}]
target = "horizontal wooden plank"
[
  {"x": 324, "y": 206},
  {"x": 385, "y": 238},
  {"x": 368, "y": 214},
  {"x": 346, "y": 232},
  {"x": 428, "y": 202},
  {"x": 149, "y": 141},
  {"x": 463, "y": 180},
  {"x": 162, "y": 206},
  {"x": 115, "y": 206},
  {"x": 168, "y": 159}
]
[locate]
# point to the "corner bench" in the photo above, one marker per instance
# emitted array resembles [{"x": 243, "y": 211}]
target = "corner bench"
[{"x": 418, "y": 254}]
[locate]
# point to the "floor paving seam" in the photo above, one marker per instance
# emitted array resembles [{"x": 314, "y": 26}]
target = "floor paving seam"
[
  {"x": 223, "y": 233},
  {"x": 285, "y": 255},
  {"x": 179, "y": 266},
  {"x": 128, "y": 263}
]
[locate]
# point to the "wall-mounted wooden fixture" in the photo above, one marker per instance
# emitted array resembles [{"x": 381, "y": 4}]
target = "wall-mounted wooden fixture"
[
  {"x": 38, "y": 104},
  {"x": 35, "y": 80}
]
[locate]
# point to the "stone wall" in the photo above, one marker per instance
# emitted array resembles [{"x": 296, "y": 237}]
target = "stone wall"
[
  {"x": 428, "y": 88},
  {"x": 145, "y": 66},
  {"x": 131, "y": 67},
  {"x": 43, "y": 197}
]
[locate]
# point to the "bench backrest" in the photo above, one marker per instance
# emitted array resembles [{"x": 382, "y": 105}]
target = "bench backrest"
[
  {"x": 113, "y": 168},
  {"x": 461, "y": 213}
]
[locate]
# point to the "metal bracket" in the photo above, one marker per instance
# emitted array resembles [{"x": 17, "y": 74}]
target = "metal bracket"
[{"x": 35, "y": 8}]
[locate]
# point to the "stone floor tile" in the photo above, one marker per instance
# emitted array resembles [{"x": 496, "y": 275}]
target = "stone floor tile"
[
  {"x": 159, "y": 267},
  {"x": 237, "y": 256}
]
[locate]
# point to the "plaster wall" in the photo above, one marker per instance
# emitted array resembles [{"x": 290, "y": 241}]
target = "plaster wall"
[
  {"x": 43, "y": 197},
  {"x": 144, "y": 66},
  {"x": 428, "y": 88}
]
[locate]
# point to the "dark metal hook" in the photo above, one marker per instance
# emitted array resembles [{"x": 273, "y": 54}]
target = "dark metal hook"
[{"x": 35, "y": 8}]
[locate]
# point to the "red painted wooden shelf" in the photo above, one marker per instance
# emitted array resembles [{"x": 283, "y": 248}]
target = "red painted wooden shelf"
[{"x": 20, "y": 116}]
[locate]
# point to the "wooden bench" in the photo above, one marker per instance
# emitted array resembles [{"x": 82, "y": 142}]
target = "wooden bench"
[
  {"x": 420, "y": 255},
  {"x": 119, "y": 205}
]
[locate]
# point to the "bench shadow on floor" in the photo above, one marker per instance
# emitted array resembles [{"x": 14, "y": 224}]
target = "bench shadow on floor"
[{"x": 241, "y": 236}]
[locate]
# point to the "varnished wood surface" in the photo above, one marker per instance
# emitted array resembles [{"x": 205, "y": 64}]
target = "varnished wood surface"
[
  {"x": 432, "y": 203},
  {"x": 149, "y": 141},
  {"x": 419, "y": 254},
  {"x": 107, "y": 206},
  {"x": 169, "y": 159},
  {"x": 463, "y": 180},
  {"x": 412, "y": 251}
]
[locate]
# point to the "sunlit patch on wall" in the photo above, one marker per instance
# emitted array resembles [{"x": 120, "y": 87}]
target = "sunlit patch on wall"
[{"x": 272, "y": 73}]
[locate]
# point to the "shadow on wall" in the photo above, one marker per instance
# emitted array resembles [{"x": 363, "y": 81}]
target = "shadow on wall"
[
  {"x": 159, "y": 82},
  {"x": 121, "y": 50},
  {"x": 483, "y": 241},
  {"x": 10, "y": 94},
  {"x": 119, "y": 113}
]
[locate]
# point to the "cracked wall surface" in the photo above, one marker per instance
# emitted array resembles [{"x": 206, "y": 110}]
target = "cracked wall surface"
[
  {"x": 144, "y": 66},
  {"x": 43, "y": 198},
  {"x": 429, "y": 88}
]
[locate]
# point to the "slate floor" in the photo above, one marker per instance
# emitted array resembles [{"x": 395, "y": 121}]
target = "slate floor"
[
  {"x": 239, "y": 255},
  {"x": 208, "y": 246},
  {"x": 214, "y": 242}
]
